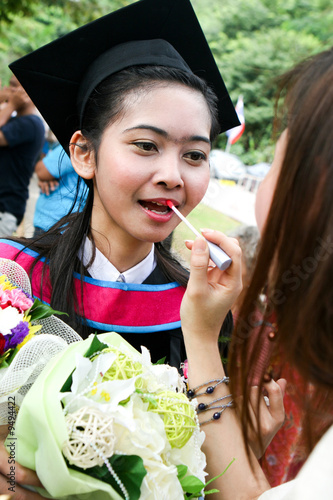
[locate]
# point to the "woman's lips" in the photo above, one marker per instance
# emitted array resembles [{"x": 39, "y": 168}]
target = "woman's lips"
[
  {"x": 157, "y": 210},
  {"x": 155, "y": 207}
]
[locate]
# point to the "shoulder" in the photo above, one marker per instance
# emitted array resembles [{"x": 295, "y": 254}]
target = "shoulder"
[
  {"x": 9, "y": 248},
  {"x": 26, "y": 120},
  {"x": 21, "y": 129},
  {"x": 18, "y": 251},
  {"x": 35, "y": 121},
  {"x": 315, "y": 480}
]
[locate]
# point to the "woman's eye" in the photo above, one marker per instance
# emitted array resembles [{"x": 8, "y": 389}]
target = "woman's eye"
[
  {"x": 196, "y": 156},
  {"x": 146, "y": 146}
]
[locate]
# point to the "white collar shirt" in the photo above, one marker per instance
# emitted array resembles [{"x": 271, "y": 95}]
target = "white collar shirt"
[{"x": 102, "y": 269}]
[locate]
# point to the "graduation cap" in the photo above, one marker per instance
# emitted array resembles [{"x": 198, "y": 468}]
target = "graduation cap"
[{"x": 60, "y": 76}]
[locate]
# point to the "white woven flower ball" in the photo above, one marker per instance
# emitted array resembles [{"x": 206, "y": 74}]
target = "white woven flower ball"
[{"x": 90, "y": 438}]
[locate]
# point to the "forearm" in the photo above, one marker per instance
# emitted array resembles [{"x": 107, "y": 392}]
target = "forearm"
[
  {"x": 224, "y": 442},
  {"x": 42, "y": 172},
  {"x": 209, "y": 293},
  {"x": 5, "y": 113}
]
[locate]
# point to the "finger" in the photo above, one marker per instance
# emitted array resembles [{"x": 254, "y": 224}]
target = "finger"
[
  {"x": 257, "y": 402},
  {"x": 42, "y": 186},
  {"x": 18, "y": 493},
  {"x": 189, "y": 244},
  {"x": 252, "y": 407},
  {"x": 266, "y": 430},
  {"x": 283, "y": 385},
  {"x": 275, "y": 395},
  {"x": 26, "y": 476},
  {"x": 229, "y": 245},
  {"x": 198, "y": 265},
  {"x": 22, "y": 474}
]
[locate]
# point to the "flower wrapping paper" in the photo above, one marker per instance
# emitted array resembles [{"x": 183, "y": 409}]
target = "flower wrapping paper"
[{"x": 30, "y": 335}]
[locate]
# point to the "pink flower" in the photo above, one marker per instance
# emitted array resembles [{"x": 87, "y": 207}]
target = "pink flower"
[
  {"x": 3, "y": 298},
  {"x": 15, "y": 298}
]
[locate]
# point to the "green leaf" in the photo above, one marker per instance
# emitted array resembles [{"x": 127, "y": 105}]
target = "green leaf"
[
  {"x": 160, "y": 361},
  {"x": 192, "y": 484},
  {"x": 4, "y": 359},
  {"x": 11, "y": 355},
  {"x": 131, "y": 472},
  {"x": 95, "y": 346},
  {"x": 225, "y": 470},
  {"x": 129, "y": 469},
  {"x": 39, "y": 310},
  {"x": 182, "y": 469}
]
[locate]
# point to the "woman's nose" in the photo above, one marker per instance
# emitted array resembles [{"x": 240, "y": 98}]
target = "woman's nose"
[{"x": 169, "y": 173}]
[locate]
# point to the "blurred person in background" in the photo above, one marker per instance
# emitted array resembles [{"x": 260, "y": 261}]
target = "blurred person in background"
[
  {"x": 22, "y": 136},
  {"x": 58, "y": 183},
  {"x": 248, "y": 239}
]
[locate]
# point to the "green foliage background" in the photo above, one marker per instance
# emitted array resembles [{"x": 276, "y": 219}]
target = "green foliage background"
[{"x": 253, "y": 42}]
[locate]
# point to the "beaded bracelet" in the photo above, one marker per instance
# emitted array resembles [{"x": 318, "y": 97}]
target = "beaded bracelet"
[
  {"x": 218, "y": 414},
  {"x": 191, "y": 393},
  {"x": 208, "y": 406}
]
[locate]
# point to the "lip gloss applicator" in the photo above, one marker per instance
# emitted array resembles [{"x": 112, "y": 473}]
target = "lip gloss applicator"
[{"x": 218, "y": 256}]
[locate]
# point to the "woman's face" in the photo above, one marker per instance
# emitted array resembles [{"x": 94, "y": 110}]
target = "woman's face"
[
  {"x": 267, "y": 186},
  {"x": 156, "y": 150}
]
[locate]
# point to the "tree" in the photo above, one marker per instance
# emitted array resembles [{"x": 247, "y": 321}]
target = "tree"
[
  {"x": 253, "y": 41},
  {"x": 78, "y": 10},
  {"x": 39, "y": 23}
]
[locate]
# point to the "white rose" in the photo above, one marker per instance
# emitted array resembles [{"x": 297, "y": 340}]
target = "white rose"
[
  {"x": 161, "y": 482},
  {"x": 141, "y": 432}
]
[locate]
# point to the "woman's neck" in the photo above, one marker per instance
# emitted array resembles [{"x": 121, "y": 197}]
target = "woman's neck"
[{"x": 123, "y": 253}]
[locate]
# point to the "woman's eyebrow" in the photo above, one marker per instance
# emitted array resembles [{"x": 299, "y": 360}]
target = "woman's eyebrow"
[{"x": 163, "y": 133}]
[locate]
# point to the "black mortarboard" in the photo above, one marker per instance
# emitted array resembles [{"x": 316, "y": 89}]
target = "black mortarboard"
[{"x": 57, "y": 75}]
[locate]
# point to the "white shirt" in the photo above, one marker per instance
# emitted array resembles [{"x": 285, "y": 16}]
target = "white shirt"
[
  {"x": 102, "y": 269},
  {"x": 315, "y": 479}
]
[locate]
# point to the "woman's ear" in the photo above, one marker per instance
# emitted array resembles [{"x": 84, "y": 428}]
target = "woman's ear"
[{"x": 82, "y": 156}]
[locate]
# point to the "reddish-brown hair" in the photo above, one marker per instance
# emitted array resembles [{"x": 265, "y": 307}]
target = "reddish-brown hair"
[{"x": 296, "y": 252}]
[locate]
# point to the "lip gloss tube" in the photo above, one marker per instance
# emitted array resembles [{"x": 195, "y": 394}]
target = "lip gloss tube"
[{"x": 218, "y": 256}]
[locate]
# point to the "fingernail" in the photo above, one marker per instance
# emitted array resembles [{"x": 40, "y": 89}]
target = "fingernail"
[
  {"x": 199, "y": 245},
  {"x": 267, "y": 377},
  {"x": 206, "y": 230}
]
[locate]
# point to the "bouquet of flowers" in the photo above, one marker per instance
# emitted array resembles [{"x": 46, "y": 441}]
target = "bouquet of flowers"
[
  {"x": 29, "y": 336},
  {"x": 102, "y": 422},
  {"x": 96, "y": 419}
]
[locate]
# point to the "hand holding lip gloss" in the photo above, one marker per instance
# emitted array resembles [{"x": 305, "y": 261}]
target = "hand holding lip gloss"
[{"x": 218, "y": 256}]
